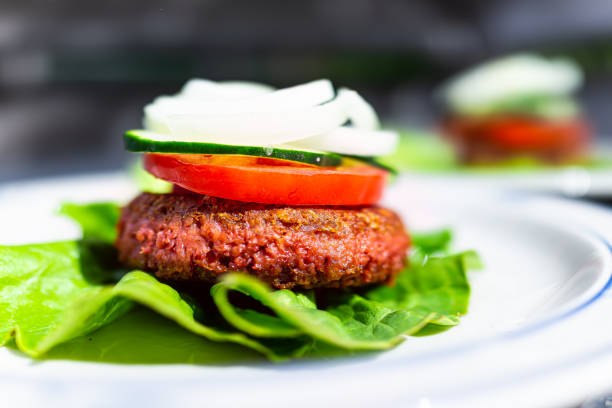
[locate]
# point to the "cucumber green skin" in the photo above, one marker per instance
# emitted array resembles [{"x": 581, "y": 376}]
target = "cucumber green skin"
[
  {"x": 373, "y": 161},
  {"x": 134, "y": 143}
]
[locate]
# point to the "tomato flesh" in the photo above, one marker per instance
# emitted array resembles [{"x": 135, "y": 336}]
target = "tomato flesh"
[
  {"x": 269, "y": 181},
  {"x": 507, "y": 136}
]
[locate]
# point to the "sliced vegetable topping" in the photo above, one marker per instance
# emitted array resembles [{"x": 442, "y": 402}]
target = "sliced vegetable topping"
[
  {"x": 247, "y": 114},
  {"x": 303, "y": 145},
  {"x": 512, "y": 84},
  {"x": 258, "y": 128},
  {"x": 353, "y": 141},
  {"x": 516, "y": 134},
  {"x": 228, "y": 90},
  {"x": 147, "y": 141},
  {"x": 270, "y": 181}
]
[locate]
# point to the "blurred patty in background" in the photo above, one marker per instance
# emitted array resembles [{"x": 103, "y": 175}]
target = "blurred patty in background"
[{"x": 518, "y": 106}]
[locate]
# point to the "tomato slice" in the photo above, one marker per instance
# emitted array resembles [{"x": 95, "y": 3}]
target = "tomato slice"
[
  {"x": 495, "y": 138},
  {"x": 269, "y": 181},
  {"x": 535, "y": 135},
  {"x": 520, "y": 133}
]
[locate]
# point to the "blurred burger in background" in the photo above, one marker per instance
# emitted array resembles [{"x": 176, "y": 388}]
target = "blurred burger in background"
[{"x": 519, "y": 107}]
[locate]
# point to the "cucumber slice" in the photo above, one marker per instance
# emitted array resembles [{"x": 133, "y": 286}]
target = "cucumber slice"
[
  {"x": 152, "y": 142},
  {"x": 373, "y": 161}
]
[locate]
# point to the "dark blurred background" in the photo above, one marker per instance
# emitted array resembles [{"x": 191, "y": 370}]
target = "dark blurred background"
[{"x": 75, "y": 74}]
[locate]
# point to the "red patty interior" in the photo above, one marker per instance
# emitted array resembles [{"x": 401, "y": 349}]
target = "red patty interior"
[{"x": 197, "y": 238}]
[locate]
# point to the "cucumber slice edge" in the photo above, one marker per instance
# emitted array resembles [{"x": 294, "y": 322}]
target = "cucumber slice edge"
[{"x": 139, "y": 140}]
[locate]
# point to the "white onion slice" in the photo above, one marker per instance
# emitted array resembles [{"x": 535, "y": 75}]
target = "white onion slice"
[
  {"x": 259, "y": 128},
  {"x": 250, "y": 114},
  {"x": 307, "y": 95},
  {"x": 509, "y": 77},
  {"x": 353, "y": 141},
  {"x": 360, "y": 112},
  {"x": 231, "y": 90}
]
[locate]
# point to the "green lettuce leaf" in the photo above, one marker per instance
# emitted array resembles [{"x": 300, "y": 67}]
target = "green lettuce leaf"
[
  {"x": 143, "y": 336},
  {"x": 435, "y": 292},
  {"x": 432, "y": 242},
  {"x": 41, "y": 289},
  {"x": 97, "y": 220},
  {"x": 358, "y": 325},
  {"x": 539, "y": 105},
  {"x": 52, "y": 295},
  {"x": 439, "y": 285},
  {"x": 427, "y": 152},
  {"x": 147, "y": 182},
  {"x": 48, "y": 298},
  {"x": 421, "y": 151}
]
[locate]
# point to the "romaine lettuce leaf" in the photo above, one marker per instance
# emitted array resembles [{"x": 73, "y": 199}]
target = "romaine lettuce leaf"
[
  {"x": 97, "y": 220},
  {"x": 432, "y": 242},
  {"x": 539, "y": 105},
  {"x": 48, "y": 297},
  {"x": 40, "y": 285},
  {"x": 54, "y": 294},
  {"x": 430, "y": 153},
  {"x": 435, "y": 292},
  {"x": 147, "y": 182},
  {"x": 439, "y": 285},
  {"x": 421, "y": 151},
  {"x": 355, "y": 324},
  {"x": 143, "y": 336}
]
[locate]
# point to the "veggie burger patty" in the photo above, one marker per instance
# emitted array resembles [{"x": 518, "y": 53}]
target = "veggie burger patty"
[{"x": 189, "y": 237}]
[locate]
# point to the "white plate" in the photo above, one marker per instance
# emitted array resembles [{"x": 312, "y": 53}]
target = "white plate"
[{"x": 537, "y": 332}]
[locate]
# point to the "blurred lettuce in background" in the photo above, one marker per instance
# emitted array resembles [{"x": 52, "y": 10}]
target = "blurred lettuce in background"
[
  {"x": 420, "y": 150},
  {"x": 147, "y": 182},
  {"x": 426, "y": 151}
]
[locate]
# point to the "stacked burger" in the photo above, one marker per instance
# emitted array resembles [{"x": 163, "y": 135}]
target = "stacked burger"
[
  {"x": 517, "y": 107},
  {"x": 278, "y": 184}
]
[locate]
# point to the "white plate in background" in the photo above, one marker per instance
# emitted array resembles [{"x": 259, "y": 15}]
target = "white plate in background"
[{"x": 571, "y": 181}]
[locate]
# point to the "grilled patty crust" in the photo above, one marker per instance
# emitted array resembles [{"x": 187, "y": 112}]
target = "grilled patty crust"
[{"x": 188, "y": 237}]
